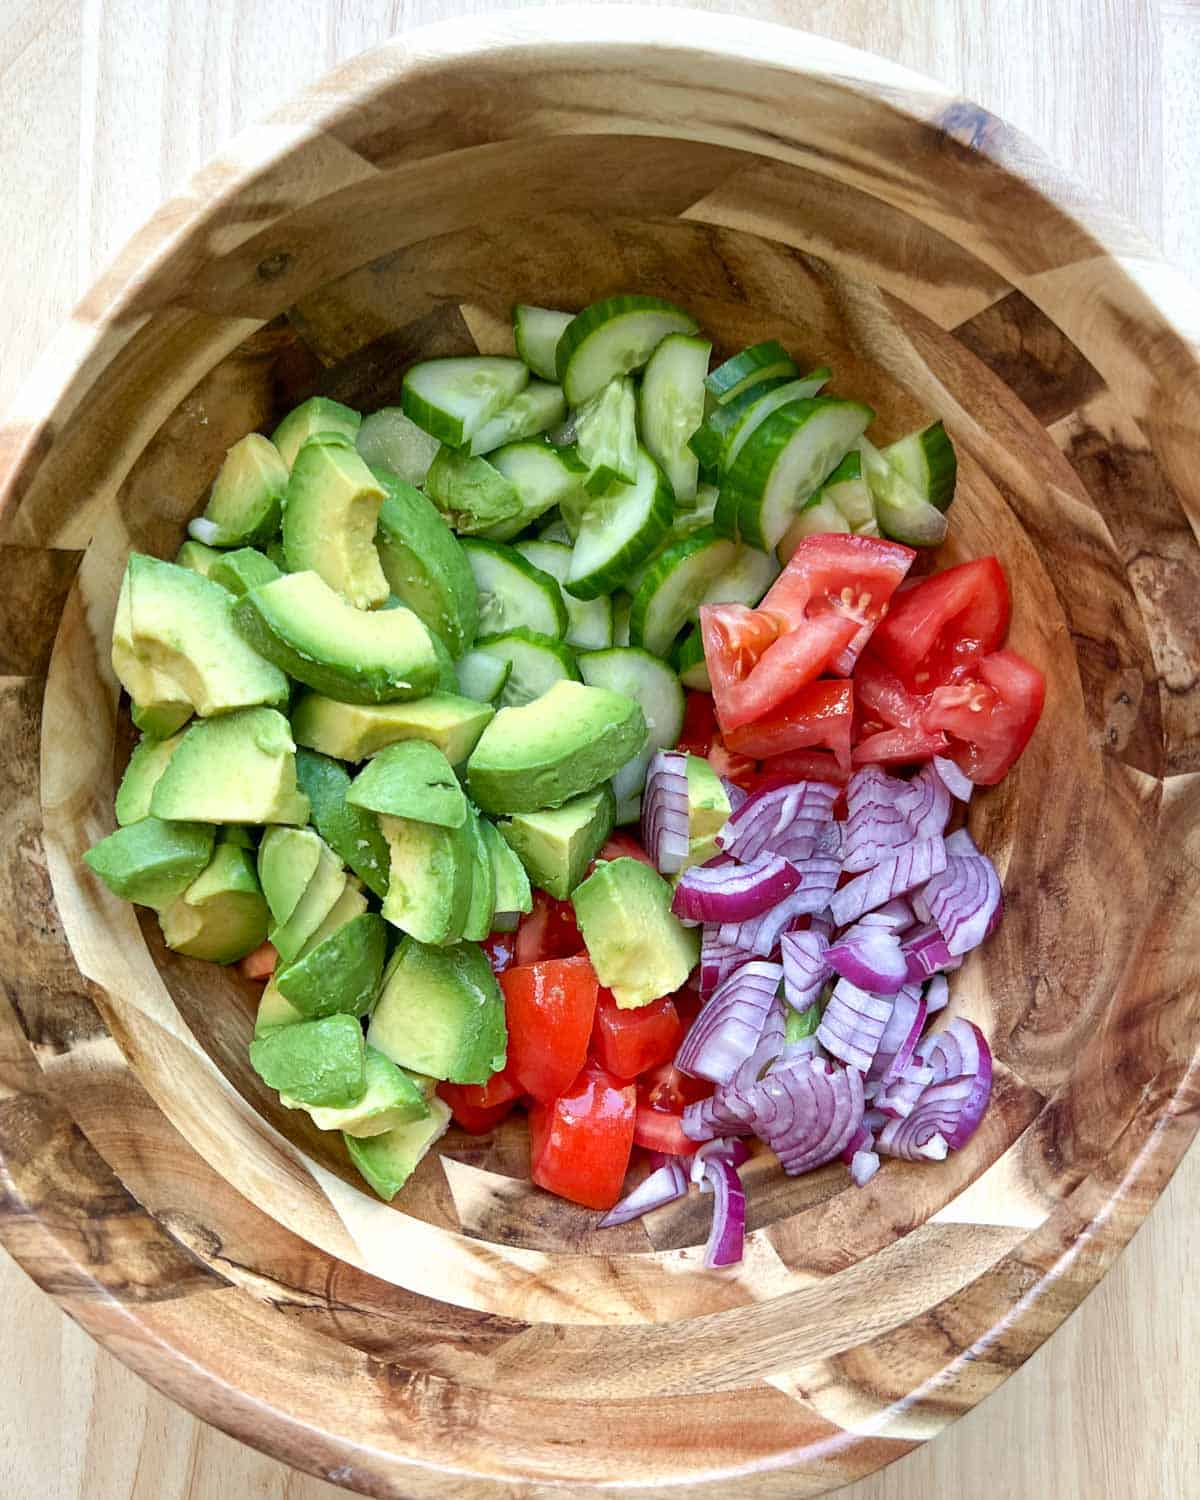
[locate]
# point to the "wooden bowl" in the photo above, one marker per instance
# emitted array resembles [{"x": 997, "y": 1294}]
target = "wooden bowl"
[{"x": 480, "y": 1339}]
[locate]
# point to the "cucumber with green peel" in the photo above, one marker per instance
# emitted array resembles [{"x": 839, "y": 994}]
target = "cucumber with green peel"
[
  {"x": 655, "y": 688},
  {"x": 589, "y": 621},
  {"x": 671, "y": 408},
  {"x": 536, "y": 332},
  {"x": 708, "y": 440},
  {"x": 674, "y": 585},
  {"x": 928, "y": 461},
  {"x": 787, "y": 458},
  {"x": 847, "y": 488},
  {"x": 726, "y": 429},
  {"x": 622, "y": 605},
  {"x": 471, "y": 493},
  {"x": 482, "y": 676},
  {"x": 536, "y": 663},
  {"x": 513, "y": 591},
  {"x": 557, "y": 530},
  {"x": 766, "y": 361},
  {"x": 818, "y": 517},
  {"x": 611, "y": 338},
  {"x": 539, "y": 406},
  {"x": 746, "y": 580},
  {"x": 388, "y": 440},
  {"x": 606, "y": 436},
  {"x": 901, "y": 512},
  {"x": 543, "y": 477},
  {"x": 619, "y": 530},
  {"x": 688, "y": 660},
  {"x": 453, "y": 398}
]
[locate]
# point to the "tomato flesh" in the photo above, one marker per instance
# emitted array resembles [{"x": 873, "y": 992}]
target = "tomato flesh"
[
  {"x": 627, "y": 1042},
  {"x": 480, "y": 1107},
  {"x": 989, "y": 716},
  {"x": 798, "y": 765},
  {"x": 755, "y": 666},
  {"x": 549, "y": 1007},
  {"x": 899, "y": 747},
  {"x": 820, "y": 714},
  {"x": 580, "y": 1142},
  {"x": 621, "y": 845},
  {"x": 549, "y": 931},
  {"x": 939, "y": 627},
  {"x": 658, "y": 1131},
  {"x": 699, "y": 724}
]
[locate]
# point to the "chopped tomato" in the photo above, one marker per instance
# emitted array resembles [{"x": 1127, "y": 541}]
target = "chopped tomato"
[
  {"x": 739, "y": 769},
  {"x": 580, "y": 1142},
  {"x": 480, "y": 1107},
  {"x": 758, "y": 659},
  {"x": 881, "y": 697},
  {"x": 261, "y": 963},
  {"x": 658, "y": 1131},
  {"x": 500, "y": 948},
  {"x": 989, "y": 715},
  {"x": 939, "y": 627},
  {"x": 627, "y": 1042},
  {"x": 820, "y": 714},
  {"x": 549, "y": 931},
  {"x": 899, "y": 747},
  {"x": 799, "y": 765},
  {"x": 666, "y": 1088},
  {"x": 549, "y": 1007},
  {"x": 699, "y": 724},
  {"x": 621, "y": 845}
]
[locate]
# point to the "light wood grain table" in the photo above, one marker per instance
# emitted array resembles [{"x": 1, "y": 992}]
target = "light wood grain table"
[{"x": 105, "y": 107}]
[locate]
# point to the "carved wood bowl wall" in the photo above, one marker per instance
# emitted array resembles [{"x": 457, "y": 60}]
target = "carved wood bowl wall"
[{"x": 479, "y": 1339}]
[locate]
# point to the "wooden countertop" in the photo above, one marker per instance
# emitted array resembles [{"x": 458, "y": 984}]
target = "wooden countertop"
[{"x": 105, "y": 106}]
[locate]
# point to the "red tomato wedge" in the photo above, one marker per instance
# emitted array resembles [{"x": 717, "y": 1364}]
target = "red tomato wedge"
[
  {"x": 699, "y": 724},
  {"x": 882, "y": 697},
  {"x": 627, "y": 1042},
  {"x": 480, "y": 1107},
  {"x": 899, "y": 747},
  {"x": 667, "y": 1089},
  {"x": 549, "y": 931},
  {"x": 261, "y": 963},
  {"x": 757, "y": 660},
  {"x": 740, "y": 769},
  {"x": 943, "y": 624},
  {"x": 990, "y": 716},
  {"x": 658, "y": 1131},
  {"x": 820, "y": 714},
  {"x": 580, "y": 1142},
  {"x": 798, "y": 765},
  {"x": 549, "y": 1007}
]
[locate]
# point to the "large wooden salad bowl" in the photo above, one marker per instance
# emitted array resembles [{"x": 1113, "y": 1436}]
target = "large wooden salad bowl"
[{"x": 478, "y": 1338}]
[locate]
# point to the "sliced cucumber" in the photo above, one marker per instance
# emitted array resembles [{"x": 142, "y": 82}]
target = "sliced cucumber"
[
  {"x": 688, "y": 660},
  {"x": 471, "y": 493},
  {"x": 901, "y": 512},
  {"x": 536, "y": 332},
  {"x": 453, "y": 398},
  {"x": 673, "y": 586},
  {"x": 606, "y": 436},
  {"x": 655, "y": 688},
  {"x": 537, "y": 662},
  {"x": 611, "y": 338},
  {"x": 388, "y": 440},
  {"x": 818, "y": 517},
  {"x": 847, "y": 488},
  {"x": 622, "y": 606},
  {"x": 727, "y": 427},
  {"x": 538, "y": 407},
  {"x": 482, "y": 676},
  {"x": 557, "y": 530},
  {"x": 786, "y": 459},
  {"x": 746, "y": 580},
  {"x": 589, "y": 621},
  {"x": 513, "y": 592},
  {"x": 928, "y": 461},
  {"x": 619, "y": 530},
  {"x": 766, "y": 361},
  {"x": 542, "y": 476},
  {"x": 671, "y": 408}
]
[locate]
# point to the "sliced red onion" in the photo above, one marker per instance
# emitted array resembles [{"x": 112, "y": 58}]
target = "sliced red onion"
[
  {"x": 853, "y": 1025},
  {"x": 731, "y": 892},
  {"x": 732, "y": 1147},
  {"x": 711, "y": 1117},
  {"x": 925, "y": 952},
  {"x": 895, "y": 916},
  {"x": 949, "y": 1109},
  {"x": 805, "y": 1046},
  {"x": 770, "y": 818},
  {"x": 736, "y": 794},
  {"x": 909, "y": 867},
  {"x": 899, "y": 1097},
  {"x": 804, "y": 967},
  {"x": 926, "y": 804},
  {"x": 823, "y": 923},
  {"x": 937, "y": 994},
  {"x": 963, "y": 900},
  {"x": 727, "y": 1237},
  {"x": 900, "y": 1036},
  {"x": 665, "y": 811},
  {"x": 761, "y": 935},
  {"x": 914, "y": 1138},
  {"x": 807, "y": 1112},
  {"x": 863, "y": 1167},
  {"x": 875, "y": 824},
  {"x": 870, "y": 958},
  {"x": 727, "y": 1030},
  {"x": 920, "y": 910},
  {"x": 961, "y": 842},
  {"x": 662, "y": 1186},
  {"x": 862, "y": 1140},
  {"x": 718, "y": 960},
  {"x": 954, "y": 780}
]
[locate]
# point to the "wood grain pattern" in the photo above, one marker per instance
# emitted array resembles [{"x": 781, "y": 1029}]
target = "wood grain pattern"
[{"x": 994, "y": 1240}]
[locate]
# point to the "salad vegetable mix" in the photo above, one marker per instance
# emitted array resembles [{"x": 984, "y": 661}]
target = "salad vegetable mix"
[{"x": 589, "y": 735}]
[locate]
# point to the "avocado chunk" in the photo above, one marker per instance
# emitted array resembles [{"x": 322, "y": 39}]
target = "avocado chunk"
[
  {"x": 353, "y": 731},
  {"x": 160, "y": 706},
  {"x": 469, "y": 492},
  {"x": 274, "y": 1011},
  {"x": 287, "y": 861},
  {"x": 556, "y": 846},
  {"x": 159, "y": 721},
  {"x": 318, "y": 414},
  {"x": 708, "y": 810},
  {"x": 441, "y": 1013},
  {"x": 412, "y": 779},
  {"x": 222, "y": 915},
  {"x": 197, "y": 557},
  {"x": 236, "y": 833},
  {"x": 152, "y": 862},
  {"x": 392, "y": 1099},
  {"x": 350, "y": 904},
  {"x": 146, "y": 765},
  {"x": 314, "y": 1062},
  {"x": 320, "y": 896},
  {"x": 429, "y": 880},
  {"x": 388, "y": 1161},
  {"x": 351, "y": 832},
  {"x": 638, "y": 948},
  {"x": 247, "y": 496},
  {"x": 424, "y": 564},
  {"x": 330, "y": 518},
  {"x": 340, "y": 974},
  {"x": 309, "y": 631},
  {"x": 240, "y": 768},
  {"x": 511, "y": 895},
  {"x": 561, "y": 745},
  {"x": 182, "y": 625},
  {"x": 239, "y": 572},
  {"x": 482, "y": 906}
]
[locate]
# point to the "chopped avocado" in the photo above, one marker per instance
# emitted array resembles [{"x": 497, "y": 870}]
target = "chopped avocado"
[
  {"x": 556, "y": 846},
  {"x": 559, "y": 746},
  {"x": 197, "y": 557},
  {"x": 146, "y": 765},
  {"x": 274, "y": 1011},
  {"x": 320, "y": 895},
  {"x": 287, "y": 861},
  {"x": 319, "y": 414},
  {"x": 160, "y": 706},
  {"x": 349, "y": 905},
  {"x": 429, "y": 881},
  {"x": 240, "y": 768},
  {"x": 441, "y": 1013},
  {"x": 275, "y": 554},
  {"x": 304, "y": 627},
  {"x": 330, "y": 518},
  {"x": 314, "y": 1062},
  {"x": 447, "y": 680},
  {"x": 341, "y": 973},
  {"x": 482, "y": 905},
  {"x": 388, "y": 1161},
  {"x": 424, "y": 564},
  {"x": 638, "y": 948},
  {"x": 239, "y": 572},
  {"x": 353, "y": 731},
  {"x": 159, "y": 721},
  {"x": 411, "y": 779},
  {"x": 708, "y": 810},
  {"x": 469, "y": 492},
  {"x": 222, "y": 915},
  {"x": 182, "y": 625},
  {"x": 351, "y": 832},
  {"x": 247, "y": 496},
  {"x": 392, "y": 1099},
  {"x": 236, "y": 833},
  {"x": 152, "y": 862},
  {"x": 512, "y": 895}
]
